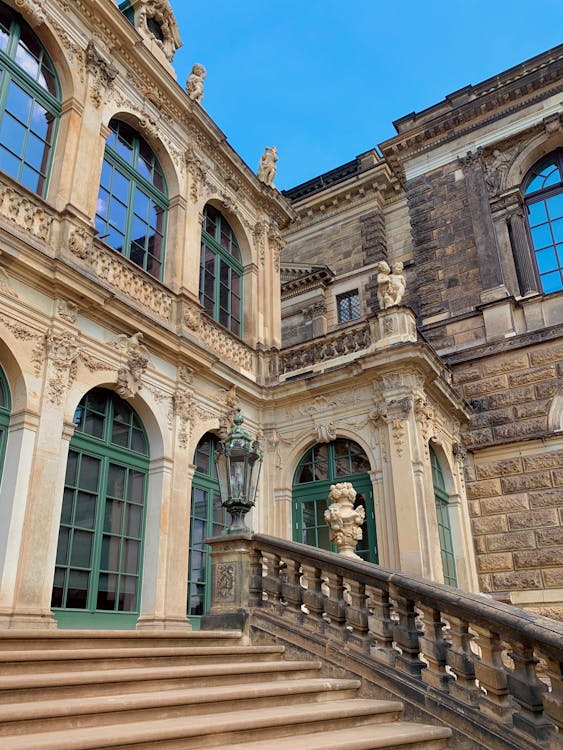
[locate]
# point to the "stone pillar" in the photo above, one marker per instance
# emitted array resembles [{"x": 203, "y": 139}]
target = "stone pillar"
[
  {"x": 394, "y": 325},
  {"x": 236, "y": 582},
  {"x": 316, "y": 313},
  {"x": 522, "y": 253}
]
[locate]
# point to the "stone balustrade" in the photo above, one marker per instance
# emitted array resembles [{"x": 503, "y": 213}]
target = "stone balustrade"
[{"x": 492, "y": 669}]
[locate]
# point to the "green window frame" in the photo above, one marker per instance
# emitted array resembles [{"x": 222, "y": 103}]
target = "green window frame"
[
  {"x": 543, "y": 191},
  {"x": 444, "y": 522},
  {"x": 324, "y": 464},
  {"x": 30, "y": 105},
  {"x": 132, "y": 206},
  {"x": 5, "y": 410},
  {"x": 221, "y": 270},
  {"x": 207, "y": 518},
  {"x": 97, "y": 580}
]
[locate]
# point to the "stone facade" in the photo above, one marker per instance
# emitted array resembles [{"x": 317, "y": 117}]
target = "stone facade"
[{"x": 447, "y": 199}]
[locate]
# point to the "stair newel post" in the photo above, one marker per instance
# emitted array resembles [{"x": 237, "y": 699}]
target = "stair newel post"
[
  {"x": 272, "y": 583},
  {"x": 434, "y": 647},
  {"x": 461, "y": 659},
  {"x": 491, "y": 673},
  {"x": 335, "y": 604},
  {"x": 553, "y": 700},
  {"x": 381, "y": 626},
  {"x": 528, "y": 692},
  {"x": 357, "y": 612},
  {"x": 291, "y": 589},
  {"x": 406, "y": 633},
  {"x": 234, "y": 586},
  {"x": 313, "y": 598}
]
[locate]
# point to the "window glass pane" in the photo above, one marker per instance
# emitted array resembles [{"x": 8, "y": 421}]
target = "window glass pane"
[
  {"x": 552, "y": 282},
  {"x": 62, "y": 547},
  {"x": 134, "y": 518},
  {"x": 113, "y": 516},
  {"x": 547, "y": 260},
  {"x": 555, "y": 206},
  {"x": 111, "y": 547},
  {"x": 89, "y": 473},
  {"x": 81, "y": 554},
  {"x": 128, "y": 594},
  {"x": 541, "y": 236},
  {"x": 537, "y": 213},
  {"x": 78, "y": 582},
  {"x": 85, "y": 513},
  {"x": 131, "y": 556},
  {"x": 116, "y": 481},
  {"x": 107, "y": 592}
]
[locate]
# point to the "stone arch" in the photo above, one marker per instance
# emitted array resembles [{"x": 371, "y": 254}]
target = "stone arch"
[
  {"x": 241, "y": 233},
  {"x": 537, "y": 147},
  {"x": 555, "y": 414},
  {"x": 15, "y": 377}
]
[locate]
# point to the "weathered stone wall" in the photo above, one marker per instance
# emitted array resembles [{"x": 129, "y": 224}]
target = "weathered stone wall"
[
  {"x": 515, "y": 477},
  {"x": 448, "y": 278}
]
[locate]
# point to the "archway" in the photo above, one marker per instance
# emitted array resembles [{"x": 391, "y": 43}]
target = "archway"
[{"x": 322, "y": 465}]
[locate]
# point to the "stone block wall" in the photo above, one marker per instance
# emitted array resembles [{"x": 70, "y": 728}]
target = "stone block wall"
[
  {"x": 515, "y": 473},
  {"x": 448, "y": 278}
]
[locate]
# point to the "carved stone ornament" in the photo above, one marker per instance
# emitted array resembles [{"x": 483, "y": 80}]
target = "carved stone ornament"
[
  {"x": 344, "y": 520},
  {"x": 185, "y": 375},
  {"x": 6, "y": 284},
  {"x": 32, "y": 12},
  {"x": 102, "y": 71},
  {"x": 277, "y": 244},
  {"x": 24, "y": 213},
  {"x": 62, "y": 354},
  {"x": 267, "y": 165},
  {"x": 67, "y": 310},
  {"x": 496, "y": 168},
  {"x": 391, "y": 284},
  {"x": 182, "y": 407},
  {"x": 259, "y": 237},
  {"x": 80, "y": 243},
  {"x": 137, "y": 360},
  {"x": 395, "y": 413},
  {"x": 331, "y": 346},
  {"x": 325, "y": 432},
  {"x": 225, "y": 582},
  {"x": 159, "y": 12},
  {"x": 195, "y": 83}
]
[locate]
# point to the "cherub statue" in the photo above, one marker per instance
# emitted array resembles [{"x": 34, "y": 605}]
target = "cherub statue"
[
  {"x": 398, "y": 282},
  {"x": 391, "y": 284},
  {"x": 194, "y": 86},
  {"x": 267, "y": 165}
]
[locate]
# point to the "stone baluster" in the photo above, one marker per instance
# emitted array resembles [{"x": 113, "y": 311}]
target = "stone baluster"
[
  {"x": 527, "y": 690},
  {"x": 461, "y": 660},
  {"x": 272, "y": 583},
  {"x": 553, "y": 700},
  {"x": 434, "y": 648},
  {"x": 491, "y": 673},
  {"x": 406, "y": 634},
  {"x": 357, "y": 612},
  {"x": 313, "y": 597},
  {"x": 335, "y": 604},
  {"x": 381, "y": 627},
  {"x": 291, "y": 589}
]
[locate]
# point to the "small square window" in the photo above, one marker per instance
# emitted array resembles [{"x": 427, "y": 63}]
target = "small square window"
[{"x": 348, "y": 306}]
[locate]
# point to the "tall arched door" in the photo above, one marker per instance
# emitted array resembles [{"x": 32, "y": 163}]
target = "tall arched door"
[
  {"x": 322, "y": 465},
  {"x": 441, "y": 499},
  {"x": 98, "y": 568},
  {"x": 208, "y": 518}
]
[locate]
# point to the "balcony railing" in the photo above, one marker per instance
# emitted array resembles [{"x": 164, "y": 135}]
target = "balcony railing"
[{"x": 492, "y": 670}]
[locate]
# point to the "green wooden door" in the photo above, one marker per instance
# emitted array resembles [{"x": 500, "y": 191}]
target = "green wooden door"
[
  {"x": 208, "y": 518},
  {"x": 97, "y": 580},
  {"x": 444, "y": 523},
  {"x": 323, "y": 465}
]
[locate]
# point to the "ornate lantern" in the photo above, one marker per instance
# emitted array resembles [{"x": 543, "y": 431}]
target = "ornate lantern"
[{"x": 238, "y": 459}]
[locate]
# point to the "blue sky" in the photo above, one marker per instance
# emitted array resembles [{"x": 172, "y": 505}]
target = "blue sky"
[{"x": 324, "y": 80}]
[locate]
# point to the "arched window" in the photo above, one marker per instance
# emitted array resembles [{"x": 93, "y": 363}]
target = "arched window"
[
  {"x": 543, "y": 190},
  {"x": 208, "y": 518},
  {"x": 220, "y": 278},
  {"x": 132, "y": 201},
  {"x": 5, "y": 407},
  {"x": 323, "y": 465},
  {"x": 29, "y": 103},
  {"x": 98, "y": 567},
  {"x": 444, "y": 524}
]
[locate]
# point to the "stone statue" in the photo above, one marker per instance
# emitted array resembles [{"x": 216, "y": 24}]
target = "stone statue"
[
  {"x": 267, "y": 165},
  {"x": 194, "y": 86},
  {"x": 496, "y": 170},
  {"x": 391, "y": 284},
  {"x": 344, "y": 520}
]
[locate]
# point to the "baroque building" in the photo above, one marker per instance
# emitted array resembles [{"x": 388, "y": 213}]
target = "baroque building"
[{"x": 146, "y": 296}]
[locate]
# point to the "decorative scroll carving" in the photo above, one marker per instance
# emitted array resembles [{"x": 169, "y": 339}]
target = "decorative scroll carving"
[
  {"x": 344, "y": 342},
  {"x": 395, "y": 413},
  {"x": 225, "y": 582},
  {"x": 62, "y": 353},
  {"x": 80, "y": 243},
  {"x": 67, "y": 310},
  {"x": 197, "y": 172},
  {"x": 344, "y": 520},
  {"x": 277, "y": 244},
  {"x": 24, "y": 213},
  {"x": 19, "y": 331},
  {"x": 259, "y": 236},
  {"x": 182, "y": 406},
  {"x": 103, "y": 73},
  {"x": 32, "y": 12},
  {"x": 137, "y": 360},
  {"x": 222, "y": 343},
  {"x": 113, "y": 271},
  {"x": 6, "y": 284},
  {"x": 325, "y": 432},
  {"x": 92, "y": 364},
  {"x": 425, "y": 416},
  {"x": 161, "y": 13}
]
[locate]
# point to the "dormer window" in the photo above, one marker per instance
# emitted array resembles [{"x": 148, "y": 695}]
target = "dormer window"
[{"x": 156, "y": 29}]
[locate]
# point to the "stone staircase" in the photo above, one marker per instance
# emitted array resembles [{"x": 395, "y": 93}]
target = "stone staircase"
[{"x": 78, "y": 690}]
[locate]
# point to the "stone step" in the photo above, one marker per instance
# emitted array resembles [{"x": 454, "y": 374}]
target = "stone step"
[
  {"x": 81, "y": 659},
  {"x": 62, "y": 685},
  {"x": 32, "y": 640},
  {"x": 401, "y": 734},
  {"x": 220, "y": 729},
  {"x": 47, "y": 715}
]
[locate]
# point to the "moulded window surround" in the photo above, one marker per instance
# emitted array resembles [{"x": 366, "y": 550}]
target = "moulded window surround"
[
  {"x": 543, "y": 192},
  {"x": 5, "y": 408},
  {"x": 221, "y": 269},
  {"x": 97, "y": 579},
  {"x": 29, "y": 104},
  {"x": 208, "y": 518},
  {"x": 444, "y": 522},
  {"x": 132, "y": 205},
  {"x": 348, "y": 306}
]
